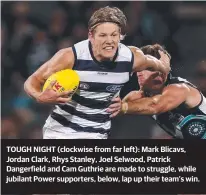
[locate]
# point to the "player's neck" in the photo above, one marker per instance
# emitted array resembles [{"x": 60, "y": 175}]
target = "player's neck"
[{"x": 101, "y": 59}]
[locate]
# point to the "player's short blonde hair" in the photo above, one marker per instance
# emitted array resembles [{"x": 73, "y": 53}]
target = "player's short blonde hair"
[{"x": 108, "y": 14}]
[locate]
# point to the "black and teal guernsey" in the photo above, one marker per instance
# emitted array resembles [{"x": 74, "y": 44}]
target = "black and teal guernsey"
[{"x": 183, "y": 122}]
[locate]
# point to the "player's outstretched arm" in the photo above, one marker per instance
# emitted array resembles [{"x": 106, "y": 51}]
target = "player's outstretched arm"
[
  {"x": 171, "y": 98},
  {"x": 63, "y": 59},
  {"x": 147, "y": 62}
]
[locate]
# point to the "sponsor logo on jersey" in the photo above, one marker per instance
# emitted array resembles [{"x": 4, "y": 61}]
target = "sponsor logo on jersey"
[
  {"x": 84, "y": 86},
  {"x": 196, "y": 128},
  {"x": 102, "y": 73},
  {"x": 114, "y": 88}
]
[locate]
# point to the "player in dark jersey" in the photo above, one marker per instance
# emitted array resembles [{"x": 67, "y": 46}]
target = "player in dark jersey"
[{"x": 176, "y": 104}]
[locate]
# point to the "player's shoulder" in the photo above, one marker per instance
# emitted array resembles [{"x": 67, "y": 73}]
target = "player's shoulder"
[
  {"x": 124, "y": 52},
  {"x": 82, "y": 50},
  {"x": 175, "y": 88},
  {"x": 175, "y": 80},
  {"x": 135, "y": 50},
  {"x": 82, "y": 44},
  {"x": 179, "y": 80},
  {"x": 65, "y": 52}
]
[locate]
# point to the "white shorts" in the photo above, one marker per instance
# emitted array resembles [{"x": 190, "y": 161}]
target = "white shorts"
[{"x": 53, "y": 130}]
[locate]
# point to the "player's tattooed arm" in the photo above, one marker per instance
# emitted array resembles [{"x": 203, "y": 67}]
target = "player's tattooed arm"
[
  {"x": 172, "y": 97},
  {"x": 147, "y": 62}
]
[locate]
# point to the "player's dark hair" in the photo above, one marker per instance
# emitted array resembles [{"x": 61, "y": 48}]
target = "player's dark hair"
[
  {"x": 108, "y": 14},
  {"x": 153, "y": 50}
]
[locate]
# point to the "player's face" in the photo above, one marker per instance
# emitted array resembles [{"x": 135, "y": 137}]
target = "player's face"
[
  {"x": 105, "y": 40},
  {"x": 153, "y": 80}
]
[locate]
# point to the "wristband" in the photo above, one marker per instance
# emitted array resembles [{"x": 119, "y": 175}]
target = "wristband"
[{"x": 125, "y": 107}]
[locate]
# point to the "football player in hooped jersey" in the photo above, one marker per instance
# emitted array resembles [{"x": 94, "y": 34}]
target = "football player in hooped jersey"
[
  {"x": 104, "y": 66},
  {"x": 176, "y": 105}
]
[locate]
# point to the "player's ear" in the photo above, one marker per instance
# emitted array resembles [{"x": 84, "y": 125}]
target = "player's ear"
[{"x": 90, "y": 36}]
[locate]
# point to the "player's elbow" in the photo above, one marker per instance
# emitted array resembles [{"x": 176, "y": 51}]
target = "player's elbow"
[
  {"x": 153, "y": 110},
  {"x": 157, "y": 108},
  {"x": 26, "y": 85},
  {"x": 164, "y": 106}
]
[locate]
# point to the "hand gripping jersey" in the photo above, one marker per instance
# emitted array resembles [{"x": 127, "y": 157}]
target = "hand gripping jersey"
[
  {"x": 99, "y": 82},
  {"x": 183, "y": 122}
]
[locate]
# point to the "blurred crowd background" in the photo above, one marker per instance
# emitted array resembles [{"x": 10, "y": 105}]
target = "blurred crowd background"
[{"x": 31, "y": 32}]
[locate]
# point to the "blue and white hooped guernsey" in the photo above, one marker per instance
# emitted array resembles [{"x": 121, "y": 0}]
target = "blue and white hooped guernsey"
[{"x": 99, "y": 83}]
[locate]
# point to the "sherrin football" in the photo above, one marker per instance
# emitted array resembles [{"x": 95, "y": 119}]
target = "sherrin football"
[{"x": 65, "y": 80}]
